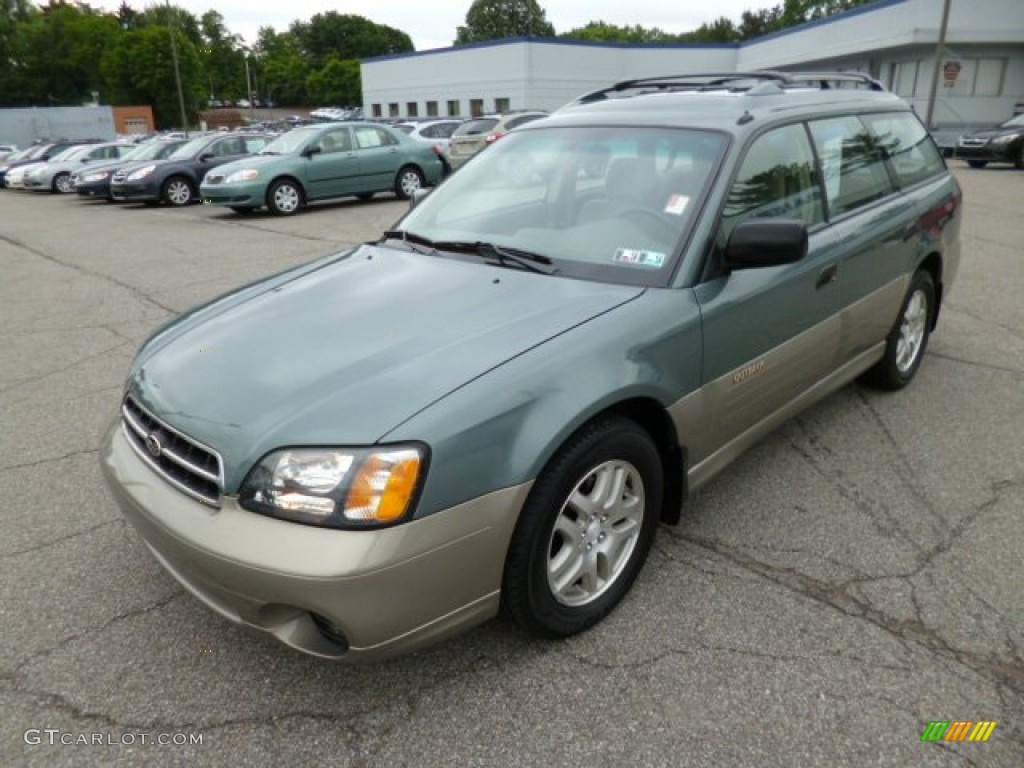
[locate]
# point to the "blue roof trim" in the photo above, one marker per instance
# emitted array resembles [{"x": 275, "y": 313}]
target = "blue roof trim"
[
  {"x": 861, "y": 9},
  {"x": 871, "y": 7},
  {"x": 555, "y": 41}
]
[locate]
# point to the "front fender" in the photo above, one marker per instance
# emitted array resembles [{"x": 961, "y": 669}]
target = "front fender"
[{"x": 500, "y": 429}]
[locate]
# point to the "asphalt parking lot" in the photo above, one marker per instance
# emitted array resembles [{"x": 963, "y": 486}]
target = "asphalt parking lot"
[{"x": 852, "y": 578}]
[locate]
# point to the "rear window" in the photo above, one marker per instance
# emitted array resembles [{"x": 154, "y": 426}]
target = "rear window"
[{"x": 474, "y": 127}]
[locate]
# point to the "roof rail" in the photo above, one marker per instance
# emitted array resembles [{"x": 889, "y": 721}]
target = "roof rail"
[{"x": 731, "y": 81}]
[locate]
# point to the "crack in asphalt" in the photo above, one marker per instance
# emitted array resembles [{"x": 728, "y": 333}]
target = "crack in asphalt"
[
  {"x": 1012, "y": 330},
  {"x": 816, "y": 454},
  {"x": 977, "y": 364},
  {"x": 134, "y": 291},
  {"x": 838, "y": 597},
  {"x": 50, "y": 460},
  {"x": 59, "y": 540},
  {"x": 47, "y": 374}
]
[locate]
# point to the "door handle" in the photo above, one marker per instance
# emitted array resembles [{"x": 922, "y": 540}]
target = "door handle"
[{"x": 827, "y": 276}]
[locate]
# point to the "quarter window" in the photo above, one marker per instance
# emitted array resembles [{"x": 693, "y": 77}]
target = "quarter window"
[
  {"x": 905, "y": 141},
  {"x": 778, "y": 179},
  {"x": 852, "y": 164}
]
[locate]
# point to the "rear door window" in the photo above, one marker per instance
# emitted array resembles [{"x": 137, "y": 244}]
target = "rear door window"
[
  {"x": 852, "y": 164},
  {"x": 911, "y": 151}
]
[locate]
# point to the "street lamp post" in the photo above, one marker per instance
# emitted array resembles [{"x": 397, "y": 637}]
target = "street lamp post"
[
  {"x": 248, "y": 81},
  {"x": 177, "y": 68}
]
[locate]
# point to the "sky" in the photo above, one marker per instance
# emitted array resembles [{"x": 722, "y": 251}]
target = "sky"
[{"x": 433, "y": 23}]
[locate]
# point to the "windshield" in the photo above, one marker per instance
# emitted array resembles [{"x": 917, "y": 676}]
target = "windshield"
[
  {"x": 602, "y": 203},
  {"x": 1014, "y": 121},
  {"x": 152, "y": 151},
  {"x": 291, "y": 142},
  {"x": 66, "y": 154},
  {"x": 189, "y": 149}
]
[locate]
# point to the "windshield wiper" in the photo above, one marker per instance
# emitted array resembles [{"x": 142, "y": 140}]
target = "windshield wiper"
[
  {"x": 414, "y": 241},
  {"x": 534, "y": 262}
]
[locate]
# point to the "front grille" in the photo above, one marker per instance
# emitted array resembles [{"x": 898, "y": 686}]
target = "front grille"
[
  {"x": 214, "y": 178},
  {"x": 119, "y": 177},
  {"x": 973, "y": 142},
  {"x": 189, "y": 466}
]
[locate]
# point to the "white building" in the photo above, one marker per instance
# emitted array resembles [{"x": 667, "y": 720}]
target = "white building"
[{"x": 981, "y": 80}]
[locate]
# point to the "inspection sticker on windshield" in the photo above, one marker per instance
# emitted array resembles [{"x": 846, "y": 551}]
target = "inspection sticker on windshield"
[
  {"x": 677, "y": 204},
  {"x": 640, "y": 258}
]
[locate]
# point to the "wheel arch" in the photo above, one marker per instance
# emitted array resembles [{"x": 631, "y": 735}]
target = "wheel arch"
[
  {"x": 288, "y": 177},
  {"x": 932, "y": 264}
]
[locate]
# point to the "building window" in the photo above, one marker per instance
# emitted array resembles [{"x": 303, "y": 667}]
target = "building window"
[
  {"x": 476, "y": 107},
  {"x": 431, "y": 109},
  {"x": 903, "y": 78},
  {"x": 453, "y": 108},
  {"x": 412, "y": 109},
  {"x": 393, "y": 109},
  {"x": 502, "y": 106},
  {"x": 973, "y": 77},
  {"x": 377, "y": 111}
]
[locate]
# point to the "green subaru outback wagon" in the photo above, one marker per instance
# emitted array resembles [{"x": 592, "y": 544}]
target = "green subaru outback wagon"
[{"x": 496, "y": 403}]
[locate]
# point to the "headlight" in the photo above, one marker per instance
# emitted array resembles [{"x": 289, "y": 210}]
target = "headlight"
[
  {"x": 1005, "y": 139},
  {"x": 337, "y": 488},
  {"x": 99, "y": 176},
  {"x": 141, "y": 173},
  {"x": 247, "y": 175}
]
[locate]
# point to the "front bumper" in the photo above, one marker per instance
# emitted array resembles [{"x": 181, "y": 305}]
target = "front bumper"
[
  {"x": 134, "y": 191},
  {"x": 94, "y": 188},
  {"x": 240, "y": 195},
  {"x": 385, "y": 591},
  {"x": 992, "y": 152}
]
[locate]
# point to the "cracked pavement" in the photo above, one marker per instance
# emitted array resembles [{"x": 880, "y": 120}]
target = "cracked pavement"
[{"x": 851, "y": 578}]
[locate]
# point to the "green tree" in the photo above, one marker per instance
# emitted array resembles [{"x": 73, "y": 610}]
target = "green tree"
[
  {"x": 495, "y": 19},
  {"x": 337, "y": 82},
  {"x": 139, "y": 69},
  {"x": 603, "y": 32},
  {"x": 721, "y": 30},
  {"x": 285, "y": 69},
  {"x": 345, "y": 36}
]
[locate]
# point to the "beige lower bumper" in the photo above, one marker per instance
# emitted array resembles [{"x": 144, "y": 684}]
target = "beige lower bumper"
[{"x": 386, "y": 591}]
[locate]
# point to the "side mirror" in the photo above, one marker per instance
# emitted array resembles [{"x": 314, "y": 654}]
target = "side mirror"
[
  {"x": 417, "y": 197},
  {"x": 313, "y": 149},
  {"x": 765, "y": 243}
]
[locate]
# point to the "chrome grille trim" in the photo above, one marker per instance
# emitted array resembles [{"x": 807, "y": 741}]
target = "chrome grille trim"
[{"x": 181, "y": 461}]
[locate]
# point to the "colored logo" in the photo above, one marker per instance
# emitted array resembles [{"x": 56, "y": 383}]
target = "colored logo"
[{"x": 958, "y": 730}]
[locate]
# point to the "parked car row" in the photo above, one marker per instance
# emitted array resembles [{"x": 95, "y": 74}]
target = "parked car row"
[{"x": 241, "y": 170}]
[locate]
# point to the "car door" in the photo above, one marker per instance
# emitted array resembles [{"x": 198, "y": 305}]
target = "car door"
[
  {"x": 380, "y": 156},
  {"x": 770, "y": 333},
  {"x": 877, "y": 227},
  {"x": 334, "y": 169}
]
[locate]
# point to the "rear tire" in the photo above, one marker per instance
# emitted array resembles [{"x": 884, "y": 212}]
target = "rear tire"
[
  {"x": 905, "y": 346},
  {"x": 1018, "y": 163},
  {"x": 408, "y": 180},
  {"x": 585, "y": 530}
]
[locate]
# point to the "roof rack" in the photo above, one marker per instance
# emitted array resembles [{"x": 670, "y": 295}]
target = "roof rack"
[{"x": 736, "y": 82}]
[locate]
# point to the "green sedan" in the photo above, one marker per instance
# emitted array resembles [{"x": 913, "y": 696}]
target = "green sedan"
[{"x": 321, "y": 162}]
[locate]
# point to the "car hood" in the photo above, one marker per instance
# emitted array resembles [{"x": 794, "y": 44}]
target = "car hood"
[
  {"x": 343, "y": 354},
  {"x": 254, "y": 161}
]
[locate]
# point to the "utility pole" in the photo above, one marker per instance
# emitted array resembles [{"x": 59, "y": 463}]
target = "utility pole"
[
  {"x": 938, "y": 64},
  {"x": 177, "y": 69}
]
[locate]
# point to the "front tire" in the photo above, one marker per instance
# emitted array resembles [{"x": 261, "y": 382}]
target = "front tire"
[
  {"x": 585, "y": 530},
  {"x": 62, "y": 183},
  {"x": 408, "y": 180},
  {"x": 906, "y": 343},
  {"x": 977, "y": 163},
  {"x": 284, "y": 198},
  {"x": 178, "y": 191}
]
